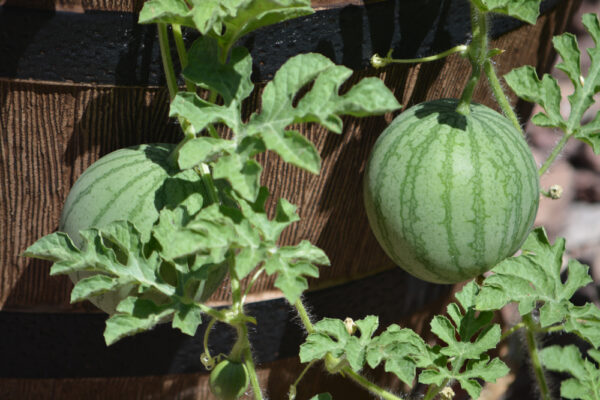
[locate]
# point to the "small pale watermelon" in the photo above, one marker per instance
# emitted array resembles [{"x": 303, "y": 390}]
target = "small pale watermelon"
[
  {"x": 449, "y": 196},
  {"x": 132, "y": 184}
]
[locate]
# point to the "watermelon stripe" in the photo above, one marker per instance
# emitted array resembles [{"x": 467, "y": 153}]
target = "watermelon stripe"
[
  {"x": 447, "y": 177},
  {"x": 149, "y": 180},
  {"x": 383, "y": 176},
  {"x": 447, "y": 202},
  {"x": 106, "y": 176},
  {"x": 516, "y": 194},
  {"x": 410, "y": 203},
  {"x": 478, "y": 206}
]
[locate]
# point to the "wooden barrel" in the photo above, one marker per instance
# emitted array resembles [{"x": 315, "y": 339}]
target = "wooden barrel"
[{"x": 79, "y": 79}]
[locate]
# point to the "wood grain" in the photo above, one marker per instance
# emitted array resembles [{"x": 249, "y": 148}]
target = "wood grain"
[{"x": 51, "y": 132}]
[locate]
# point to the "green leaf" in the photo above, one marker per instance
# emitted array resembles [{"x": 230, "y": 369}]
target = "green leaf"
[
  {"x": 175, "y": 240},
  {"x": 525, "y": 10},
  {"x": 585, "y": 322},
  {"x": 242, "y": 173},
  {"x": 525, "y": 83},
  {"x": 57, "y": 246},
  {"x": 166, "y": 11},
  {"x": 201, "y": 150},
  {"x": 483, "y": 368},
  {"x": 92, "y": 286},
  {"x": 585, "y": 383},
  {"x": 322, "y": 104},
  {"x": 187, "y": 318},
  {"x": 468, "y": 335},
  {"x": 331, "y": 337},
  {"x": 253, "y": 14},
  {"x": 231, "y": 79},
  {"x": 402, "y": 350},
  {"x": 295, "y": 149},
  {"x": 293, "y": 264},
  {"x": 534, "y": 278},
  {"x": 135, "y": 315},
  {"x": 201, "y": 113},
  {"x": 322, "y": 396}
]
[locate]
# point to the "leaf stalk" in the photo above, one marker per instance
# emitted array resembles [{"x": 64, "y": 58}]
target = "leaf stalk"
[
  {"x": 499, "y": 95},
  {"x": 165, "y": 53},
  {"x": 555, "y": 152},
  {"x": 379, "y": 62},
  {"x": 370, "y": 386},
  {"x": 530, "y": 329},
  {"x": 182, "y": 53}
]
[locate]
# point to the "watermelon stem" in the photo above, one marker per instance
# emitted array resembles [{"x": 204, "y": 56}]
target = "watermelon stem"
[
  {"x": 304, "y": 317},
  {"x": 434, "y": 390},
  {"x": 478, "y": 54},
  {"x": 532, "y": 346},
  {"x": 165, "y": 53},
  {"x": 500, "y": 96},
  {"x": 182, "y": 53},
  {"x": 293, "y": 386},
  {"x": 249, "y": 362},
  {"x": 370, "y": 386},
  {"x": 555, "y": 152},
  {"x": 379, "y": 62}
]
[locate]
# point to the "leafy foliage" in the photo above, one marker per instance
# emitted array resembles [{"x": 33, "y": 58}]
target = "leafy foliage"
[
  {"x": 526, "y": 84},
  {"x": 468, "y": 336},
  {"x": 227, "y": 20},
  {"x": 534, "y": 278},
  {"x": 585, "y": 381},
  {"x": 118, "y": 258},
  {"x": 526, "y": 10},
  {"x": 267, "y": 129},
  {"x": 331, "y": 337}
]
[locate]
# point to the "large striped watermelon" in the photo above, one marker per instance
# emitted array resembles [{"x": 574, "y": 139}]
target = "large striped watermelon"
[
  {"x": 132, "y": 184},
  {"x": 449, "y": 196}
]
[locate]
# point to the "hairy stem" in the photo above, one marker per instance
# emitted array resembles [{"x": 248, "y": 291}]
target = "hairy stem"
[
  {"x": 512, "y": 330},
  {"x": 165, "y": 53},
  {"x": 378, "y": 62},
  {"x": 204, "y": 171},
  {"x": 370, "y": 386},
  {"x": 292, "y": 391},
  {"x": 304, "y": 316},
  {"x": 434, "y": 390},
  {"x": 252, "y": 371},
  {"x": 499, "y": 94},
  {"x": 182, "y": 53},
  {"x": 555, "y": 152},
  {"x": 236, "y": 292},
  {"x": 535, "y": 357},
  {"x": 206, "y": 334},
  {"x": 477, "y": 54}
]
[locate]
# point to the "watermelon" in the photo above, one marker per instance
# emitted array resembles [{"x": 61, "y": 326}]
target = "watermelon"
[
  {"x": 448, "y": 196},
  {"x": 133, "y": 184}
]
